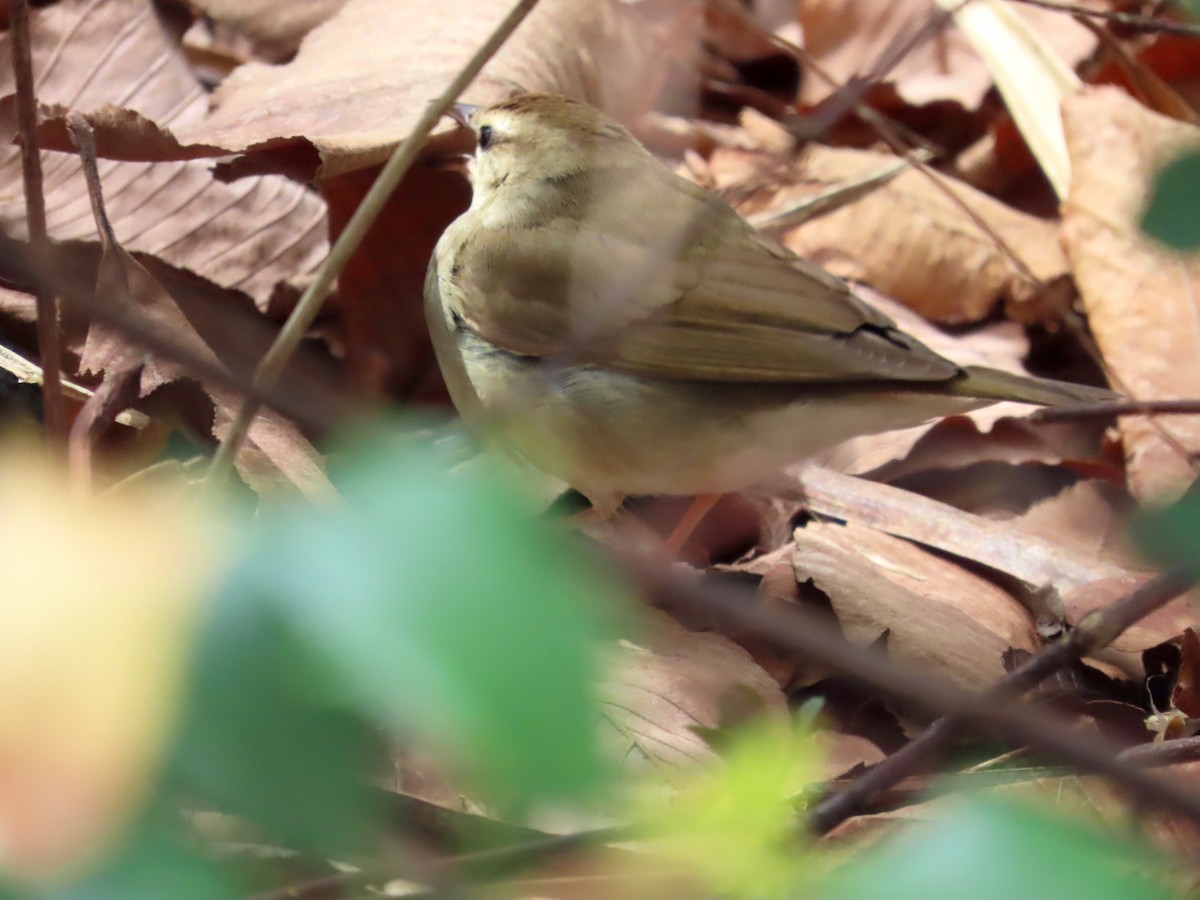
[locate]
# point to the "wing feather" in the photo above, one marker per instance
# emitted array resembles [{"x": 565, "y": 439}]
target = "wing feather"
[{"x": 655, "y": 276}]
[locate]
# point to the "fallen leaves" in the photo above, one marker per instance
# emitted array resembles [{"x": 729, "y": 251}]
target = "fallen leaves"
[
  {"x": 977, "y": 539},
  {"x": 352, "y": 98},
  {"x": 1143, "y": 302},
  {"x": 667, "y": 687},
  {"x": 253, "y": 236},
  {"x": 930, "y": 612}
]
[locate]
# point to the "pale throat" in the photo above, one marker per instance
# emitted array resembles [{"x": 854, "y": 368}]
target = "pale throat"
[{"x": 512, "y": 203}]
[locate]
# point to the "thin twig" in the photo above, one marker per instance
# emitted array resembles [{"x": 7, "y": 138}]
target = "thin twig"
[
  {"x": 1130, "y": 20},
  {"x": 49, "y": 339},
  {"x": 309, "y": 400},
  {"x": 1167, "y": 753},
  {"x": 302, "y": 317},
  {"x": 1097, "y": 630},
  {"x": 1115, "y": 408}
]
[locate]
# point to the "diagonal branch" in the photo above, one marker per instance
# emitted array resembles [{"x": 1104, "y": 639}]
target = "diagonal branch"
[
  {"x": 1097, "y": 630},
  {"x": 797, "y": 630}
]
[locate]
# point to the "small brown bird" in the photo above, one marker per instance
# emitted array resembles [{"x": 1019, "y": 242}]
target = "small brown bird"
[{"x": 627, "y": 331}]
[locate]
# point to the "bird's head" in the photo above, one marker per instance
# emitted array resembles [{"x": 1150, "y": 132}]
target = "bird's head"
[{"x": 531, "y": 141}]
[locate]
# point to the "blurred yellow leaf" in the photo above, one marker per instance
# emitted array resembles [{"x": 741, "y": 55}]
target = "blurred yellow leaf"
[
  {"x": 99, "y": 600},
  {"x": 735, "y": 825}
]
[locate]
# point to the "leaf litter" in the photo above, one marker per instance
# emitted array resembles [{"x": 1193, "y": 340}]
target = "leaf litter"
[{"x": 229, "y": 199}]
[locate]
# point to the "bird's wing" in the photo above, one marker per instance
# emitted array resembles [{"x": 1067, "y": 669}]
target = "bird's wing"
[{"x": 687, "y": 291}]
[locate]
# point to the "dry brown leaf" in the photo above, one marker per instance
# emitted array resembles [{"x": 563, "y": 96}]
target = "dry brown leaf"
[
  {"x": 937, "y": 616},
  {"x": 379, "y": 293},
  {"x": 251, "y": 236},
  {"x": 840, "y": 753},
  {"x": 854, "y": 38},
  {"x": 955, "y": 443},
  {"x": 669, "y": 683},
  {"x": 124, "y": 283},
  {"x": 1143, "y": 302},
  {"x": 1002, "y": 546},
  {"x": 908, "y": 239},
  {"x": 1106, "y": 805},
  {"x": 276, "y": 455},
  {"x": 274, "y": 27},
  {"x": 361, "y": 80},
  {"x": 1085, "y": 517}
]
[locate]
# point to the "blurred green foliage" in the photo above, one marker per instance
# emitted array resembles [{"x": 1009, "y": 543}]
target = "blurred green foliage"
[
  {"x": 989, "y": 850},
  {"x": 1170, "y": 536},
  {"x": 431, "y": 607}
]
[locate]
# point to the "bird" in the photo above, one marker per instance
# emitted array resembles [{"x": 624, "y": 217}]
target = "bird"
[{"x": 625, "y": 330}]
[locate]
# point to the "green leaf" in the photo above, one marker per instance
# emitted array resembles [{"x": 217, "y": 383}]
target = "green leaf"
[
  {"x": 442, "y": 608},
  {"x": 1172, "y": 216},
  {"x": 263, "y": 738},
  {"x": 993, "y": 851},
  {"x": 153, "y": 863},
  {"x": 1171, "y": 536},
  {"x": 735, "y": 826}
]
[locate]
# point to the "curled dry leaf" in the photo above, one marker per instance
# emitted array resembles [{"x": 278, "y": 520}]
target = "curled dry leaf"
[
  {"x": 908, "y": 239},
  {"x": 1088, "y": 517},
  {"x": 361, "y": 80},
  {"x": 669, "y": 684},
  {"x": 857, "y": 38},
  {"x": 89, "y": 55},
  {"x": 937, "y": 616},
  {"x": 125, "y": 284},
  {"x": 1143, "y": 302},
  {"x": 999, "y": 545}
]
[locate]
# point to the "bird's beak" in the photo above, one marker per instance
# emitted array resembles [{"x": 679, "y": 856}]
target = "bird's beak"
[{"x": 462, "y": 113}]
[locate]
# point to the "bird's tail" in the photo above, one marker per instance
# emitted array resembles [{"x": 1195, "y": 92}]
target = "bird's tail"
[{"x": 993, "y": 384}]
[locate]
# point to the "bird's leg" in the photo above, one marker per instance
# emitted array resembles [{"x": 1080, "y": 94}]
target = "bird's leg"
[
  {"x": 702, "y": 504},
  {"x": 603, "y": 510}
]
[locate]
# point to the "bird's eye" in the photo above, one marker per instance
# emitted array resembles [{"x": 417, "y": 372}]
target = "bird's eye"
[{"x": 485, "y": 137}]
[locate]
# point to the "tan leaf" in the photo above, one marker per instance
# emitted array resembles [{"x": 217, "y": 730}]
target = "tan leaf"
[
  {"x": 124, "y": 283},
  {"x": 854, "y": 38},
  {"x": 93, "y": 55},
  {"x": 276, "y": 455},
  {"x": 1002, "y": 546},
  {"x": 274, "y": 27},
  {"x": 672, "y": 681},
  {"x": 361, "y": 80},
  {"x": 908, "y": 239},
  {"x": 1143, "y": 302},
  {"x": 1085, "y": 517},
  {"x": 937, "y": 616}
]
